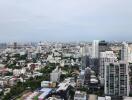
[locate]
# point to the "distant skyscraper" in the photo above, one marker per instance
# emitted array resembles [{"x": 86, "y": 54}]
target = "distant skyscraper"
[
  {"x": 105, "y": 57},
  {"x": 15, "y": 45},
  {"x": 95, "y": 49},
  {"x": 103, "y": 46},
  {"x": 117, "y": 79},
  {"x": 94, "y": 65},
  {"x": 39, "y": 47},
  {"x": 85, "y": 62},
  {"x": 85, "y": 50},
  {"x": 124, "y": 52},
  {"x": 99, "y": 46},
  {"x": 82, "y": 51}
]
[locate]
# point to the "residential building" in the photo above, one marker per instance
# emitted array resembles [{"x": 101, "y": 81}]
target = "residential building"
[
  {"x": 104, "y": 98},
  {"x": 105, "y": 57},
  {"x": 95, "y": 49},
  {"x": 127, "y": 98},
  {"x": 103, "y": 46},
  {"x": 92, "y": 97},
  {"x": 117, "y": 79},
  {"x": 55, "y": 75},
  {"x": 48, "y": 84},
  {"x": 85, "y": 61},
  {"x": 125, "y": 52},
  {"x": 87, "y": 76},
  {"x": 80, "y": 95}
]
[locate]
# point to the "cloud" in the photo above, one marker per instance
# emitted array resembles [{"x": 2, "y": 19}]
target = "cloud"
[{"x": 65, "y": 19}]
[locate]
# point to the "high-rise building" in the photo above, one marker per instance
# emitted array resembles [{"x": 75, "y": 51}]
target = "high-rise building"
[
  {"x": 15, "y": 45},
  {"x": 85, "y": 53},
  {"x": 95, "y": 49},
  {"x": 85, "y": 50},
  {"x": 105, "y": 57},
  {"x": 124, "y": 52},
  {"x": 94, "y": 65},
  {"x": 103, "y": 46},
  {"x": 87, "y": 76},
  {"x": 117, "y": 79},
  {"x": 85, "y": 62},
  {"x": 99, "y": 46}
]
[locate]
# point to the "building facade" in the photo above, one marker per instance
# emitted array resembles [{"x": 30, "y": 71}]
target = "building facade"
[
  {"x": 117, "y": 79},
  {"x": 105, "y": 57},
  {"x": 124, "y": 52},
  {"x": 95, "y": 49},
  {"x": 55, "y": 75},
  {"x": 80, "y": 95}
]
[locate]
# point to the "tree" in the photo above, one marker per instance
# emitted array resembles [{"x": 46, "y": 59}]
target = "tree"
[{"x": 33, "y": 83}]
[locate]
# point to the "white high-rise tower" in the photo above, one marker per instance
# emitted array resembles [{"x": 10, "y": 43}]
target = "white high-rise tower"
[
  {"x": 95, "y": 49},
  {"x": 125, "y": 52},
  {"x": 105, "y": 57}
]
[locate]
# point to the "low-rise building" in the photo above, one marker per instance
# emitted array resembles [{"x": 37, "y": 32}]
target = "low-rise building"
[
  {"x": 92, "y": 97},
  {"x": 55, "y": 75},
  {"x": 54, "y": 98},
  {"x": 48, "y": 84},
  {"x": 104, "y": 98},
  {"x": 127, "y": 98},
  {"x": 45, "y": 92},
  {"x": 80, "y": 95}
]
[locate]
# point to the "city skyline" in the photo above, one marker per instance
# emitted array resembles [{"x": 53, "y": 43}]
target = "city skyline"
[
  {"x": 65, "y": 50},
  {"x": 66, "y": 20}
]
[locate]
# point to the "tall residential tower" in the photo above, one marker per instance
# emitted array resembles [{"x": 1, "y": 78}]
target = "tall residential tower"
[
  {"x": 105, "y": 57},
  {"x": 117, "y": 79},
  {"x": 95, "y": 49}
]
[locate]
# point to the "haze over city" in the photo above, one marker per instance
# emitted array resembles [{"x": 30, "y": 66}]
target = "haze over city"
[
  {"x": 65, "y": 20},
  {"x": 65, "y": 49}
]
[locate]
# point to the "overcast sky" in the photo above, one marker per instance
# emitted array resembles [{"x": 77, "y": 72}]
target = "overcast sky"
[{"x": 65, "y": 20}]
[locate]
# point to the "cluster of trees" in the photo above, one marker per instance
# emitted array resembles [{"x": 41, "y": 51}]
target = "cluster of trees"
[
  {"x": 47, "y": 69},
  {"x": 1, "y": 93},
  {"x": 8, "y": 74},
  {"x": 16, "y": 90},
  {"x": 13, "y": 66},
  {"x": 69, "y": 71},
  {"x": 20, "y": 57},
  {"x": 32, "y": 83}
]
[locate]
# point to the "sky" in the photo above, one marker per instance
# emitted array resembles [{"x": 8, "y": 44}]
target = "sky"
[{"x": 65, "y": 20}]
